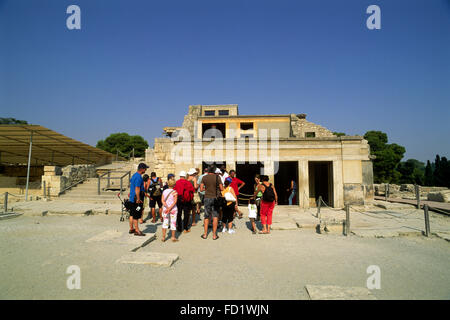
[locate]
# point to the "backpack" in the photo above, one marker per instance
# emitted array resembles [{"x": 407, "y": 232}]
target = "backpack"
[
  {"x": 155, "y": 188},
  {"x": 187, "y": 195},
  {"x": 268, "y": 195}
]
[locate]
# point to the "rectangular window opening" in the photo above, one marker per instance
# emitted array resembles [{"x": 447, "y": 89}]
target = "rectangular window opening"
[{"x": 246, "y": 125}]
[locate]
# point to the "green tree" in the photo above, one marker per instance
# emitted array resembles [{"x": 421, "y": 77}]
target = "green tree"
[
  {"x": 124, "y": 143},
  {"x": 388, "y": 156},
  {"x": 412, "y": 171},
  {"x": 445, "y": 171},
  {"x": 339, "y": 134},
  {"x": 12, "y": 121},
  {"x": 441, "y": 173},
  {"x": 437, "y": 171},
  {"x": 428, "y": 179}
]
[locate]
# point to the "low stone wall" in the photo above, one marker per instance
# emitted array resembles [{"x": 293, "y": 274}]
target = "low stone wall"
[
  {"x": 407, "y": 191},
  {"x": 57, "y": 179}
]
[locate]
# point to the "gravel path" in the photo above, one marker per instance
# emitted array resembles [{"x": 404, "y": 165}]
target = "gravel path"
[{"x": 36, "y": 251}]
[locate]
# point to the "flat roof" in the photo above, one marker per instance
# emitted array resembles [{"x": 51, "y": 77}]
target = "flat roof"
[
  {"x": 246, "y": 116},
  {"x": 48, "y": 147}
]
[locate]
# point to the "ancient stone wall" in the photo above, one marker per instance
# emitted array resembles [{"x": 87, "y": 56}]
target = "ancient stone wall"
[
  {"x": 190, "y": 119},
  {"x": 299, "y": 127},
  {"x": 56, "y": 179},
  {"x": 159, "y": 158},
  {"x": 407, "y": 191}
]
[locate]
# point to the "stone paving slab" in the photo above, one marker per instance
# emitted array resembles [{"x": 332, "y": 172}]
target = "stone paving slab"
[
  {"x": 392, "y": 206},
  {"x": 386, "y": 233},
  {"x": 305, "y": 220},
  {"x": 284, "y": 225},
  {"x": 120, "y": 237},
  {"x": 9, "y": 215},
  {"x": 338, "y": 293},
  {"x": 150, "y": 258},
  {"x": 63, "y": 207},
  {"x": 108, "y": 235}
]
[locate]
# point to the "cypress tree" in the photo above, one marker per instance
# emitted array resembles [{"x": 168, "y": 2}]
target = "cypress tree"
[{"x": 428, "y": 174}]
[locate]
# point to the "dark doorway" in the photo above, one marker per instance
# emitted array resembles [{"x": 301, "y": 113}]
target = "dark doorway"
[
  {"x": 218, "y": 164},
  {"x": 246, "y": 172},
  {"x": 213, "y": 130},
  {"x": 320, "y": 182},
  {"x": 287, "y": 171}
]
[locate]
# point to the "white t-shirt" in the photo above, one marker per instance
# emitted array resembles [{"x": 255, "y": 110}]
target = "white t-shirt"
[{"x": 224, "y": 176}]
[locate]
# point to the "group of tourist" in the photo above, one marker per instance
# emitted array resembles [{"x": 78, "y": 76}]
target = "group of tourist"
[{"x": 180, "y": 200}]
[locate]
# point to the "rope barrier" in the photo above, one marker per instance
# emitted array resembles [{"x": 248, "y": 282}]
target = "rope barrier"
[
  {"x": 335, "y": 209},
  {"x": 14, "y": 195},
  {"x": 244, "y": 194}
]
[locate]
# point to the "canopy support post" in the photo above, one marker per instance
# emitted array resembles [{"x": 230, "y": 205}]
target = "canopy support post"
[{"x": 28, "y": 168}]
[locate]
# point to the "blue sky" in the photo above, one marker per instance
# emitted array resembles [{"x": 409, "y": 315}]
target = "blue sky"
[{"x": 135, "y": 66}]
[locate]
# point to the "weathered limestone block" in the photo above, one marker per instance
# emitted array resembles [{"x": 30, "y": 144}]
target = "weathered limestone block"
[
  {"x": 54, "y": 184},
  {"x": 52, "y": 171},
  {"x": 354, "y": 193},
  {"x": 441, "y": 196}
]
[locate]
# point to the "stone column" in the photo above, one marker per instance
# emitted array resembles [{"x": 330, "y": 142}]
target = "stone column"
[
  {"x": 231, "y": 166},
  {"x": 303, "y": 184},
  {"x": 338, "y": 185},
  {"x": 269, "y": 170}
]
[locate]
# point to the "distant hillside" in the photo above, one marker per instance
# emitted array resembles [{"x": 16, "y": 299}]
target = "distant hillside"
[{"x": 12, "y": 121}]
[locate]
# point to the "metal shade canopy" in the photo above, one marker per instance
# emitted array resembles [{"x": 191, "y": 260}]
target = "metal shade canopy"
[
  {"x": 25, "y": 144},
  {"x": 48, "y": 147}
]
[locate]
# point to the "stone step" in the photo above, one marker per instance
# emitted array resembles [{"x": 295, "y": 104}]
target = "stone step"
[
  {"x": 80, "y": 193},
  {"x": 94, "y": 200},
  {"x": 81, "y": 196}
]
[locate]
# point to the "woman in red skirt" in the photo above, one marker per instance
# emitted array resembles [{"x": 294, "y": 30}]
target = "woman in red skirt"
[{"x": 268, "y": 202}]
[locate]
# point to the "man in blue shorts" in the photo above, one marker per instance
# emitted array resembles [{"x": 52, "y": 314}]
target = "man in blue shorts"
[{"x": 137, "y": 192}]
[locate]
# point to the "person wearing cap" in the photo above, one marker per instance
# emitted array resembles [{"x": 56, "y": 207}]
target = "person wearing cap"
[
  {"x": 155, "y": 193},
  {"x": 185, "y": 192},
  {"x": 212, "y": 185},
  {"x": 137, "y": 193}
]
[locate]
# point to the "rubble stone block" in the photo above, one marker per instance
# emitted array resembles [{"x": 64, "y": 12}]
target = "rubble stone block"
[{"x": 441, "y": 196}]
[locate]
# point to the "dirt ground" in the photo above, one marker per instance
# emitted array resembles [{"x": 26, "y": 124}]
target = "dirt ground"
[{"x": 35, "y": 253}]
